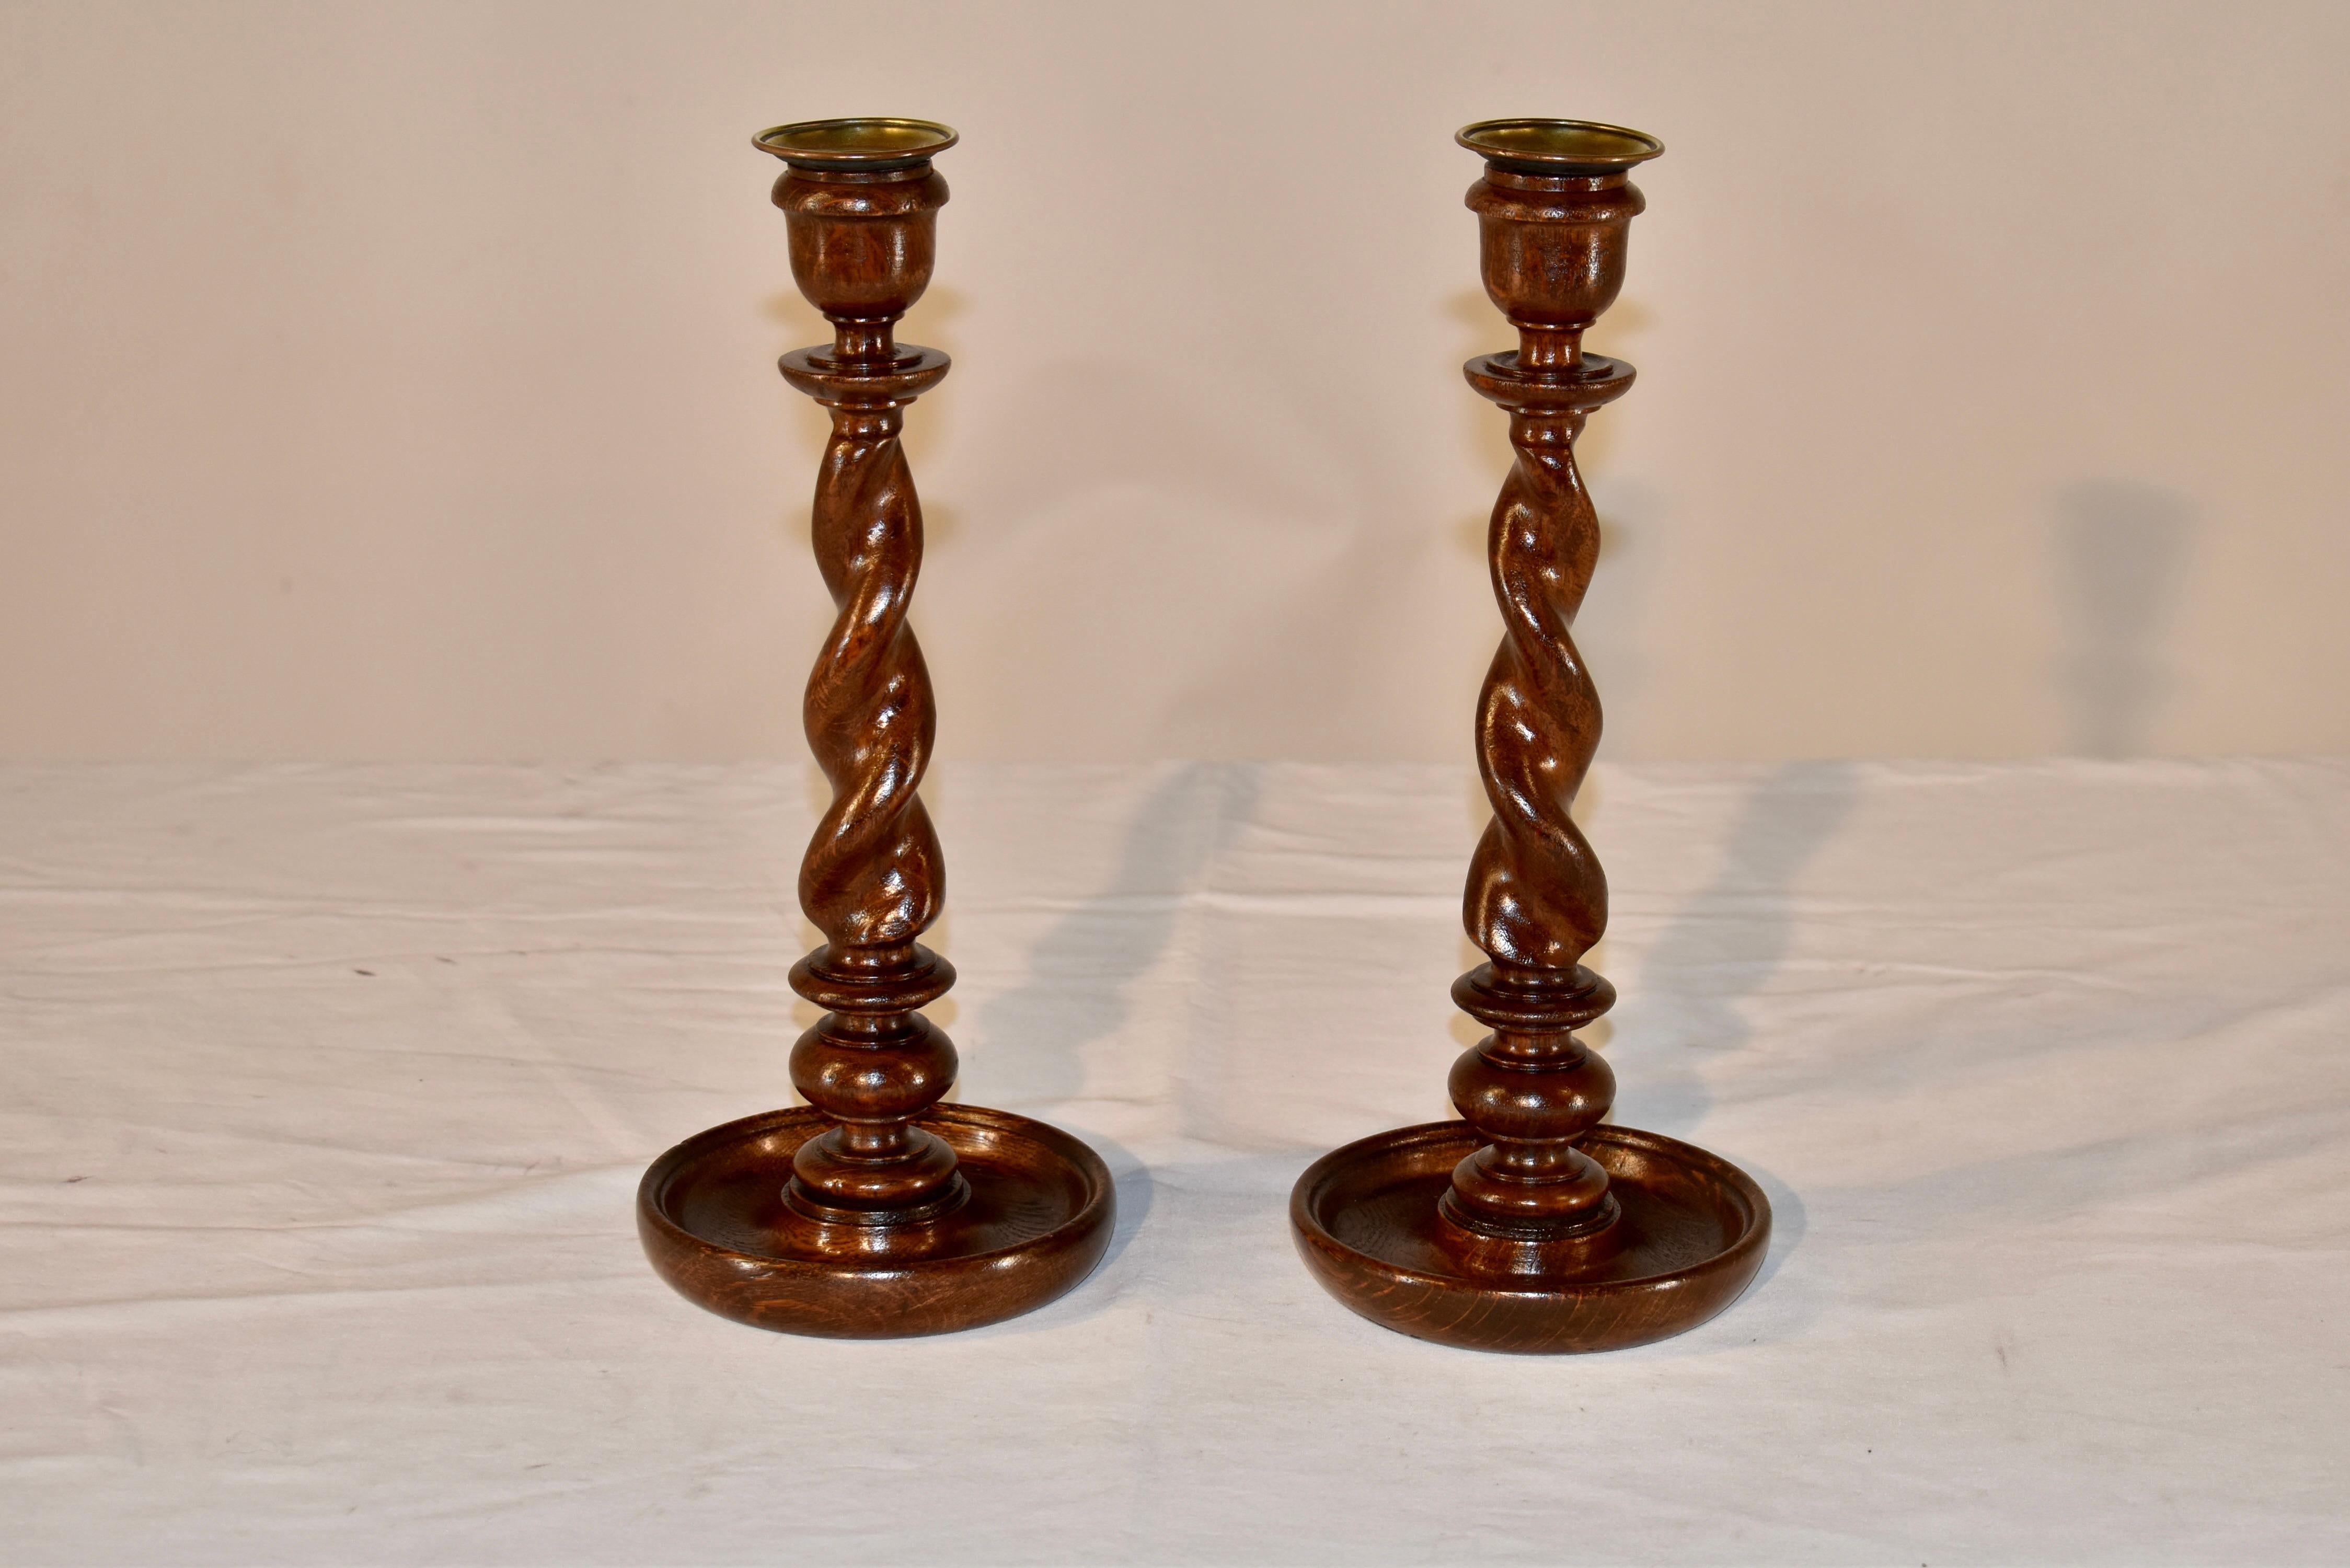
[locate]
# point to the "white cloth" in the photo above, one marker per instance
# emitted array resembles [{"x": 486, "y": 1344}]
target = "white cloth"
[{"x": 326, "y": 1091}]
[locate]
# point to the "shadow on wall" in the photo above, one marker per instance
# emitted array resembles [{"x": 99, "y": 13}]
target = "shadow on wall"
[
  {"x": 1183, "y": 537},
  {"x": 2121, "y": 551},
  {"x": 1725, "y": 944},
  {"x": 1609, "y": 628}
]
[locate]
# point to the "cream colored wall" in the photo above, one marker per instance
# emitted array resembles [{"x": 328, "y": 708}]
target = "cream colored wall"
[{"x": 397, "y": 382}]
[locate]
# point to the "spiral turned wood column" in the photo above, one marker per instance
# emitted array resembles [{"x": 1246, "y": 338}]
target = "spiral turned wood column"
[
  {"x": 1529, "y": 1225},
  {"x": 875, "y": 1211},
  {"x": 862, "y": 240},
  {"x": 1537, "y": 900}
]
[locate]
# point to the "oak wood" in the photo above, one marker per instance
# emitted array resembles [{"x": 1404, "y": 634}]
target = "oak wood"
[
  {"x": 1548, "y": 1230},
  {"x": 712, "y": 1217},
  {"x": 1362, "y": 1213},
  {"x": 875, "y": 1212}
]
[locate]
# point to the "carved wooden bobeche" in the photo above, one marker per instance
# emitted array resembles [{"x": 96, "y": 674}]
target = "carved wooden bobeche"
[
  {"x": 1529, "y": 1224},
  {"x": 874, "y": 1211}
]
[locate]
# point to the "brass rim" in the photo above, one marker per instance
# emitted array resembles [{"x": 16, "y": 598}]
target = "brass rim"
[
  {"x": 1559, "y": 146},
  {"x": 862, "y": 142}
]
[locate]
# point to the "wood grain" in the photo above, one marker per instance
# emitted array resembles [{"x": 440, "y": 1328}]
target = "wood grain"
[
  {"x": 857, "y": 1216},
  {"x": 1549, "y": 1231}
]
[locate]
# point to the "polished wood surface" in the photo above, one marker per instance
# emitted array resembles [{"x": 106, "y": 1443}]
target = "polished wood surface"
[
  {"x": 1548, "y": 1230},
  {"x": 1362, "y": 1215},
  {"x": 717, "y": 1224},
  {"x": 875, "y": 1212}
]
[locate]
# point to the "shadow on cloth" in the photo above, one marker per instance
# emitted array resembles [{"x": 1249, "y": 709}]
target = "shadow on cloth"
[
  {"x": 1081, "y": 971},
  {"x": 1725, "y": 944}
]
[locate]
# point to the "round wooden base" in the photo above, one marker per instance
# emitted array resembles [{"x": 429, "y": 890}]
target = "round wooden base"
[
  {"x": 712, "y": 1217},
  {"x": 1691, "y": 1234}
]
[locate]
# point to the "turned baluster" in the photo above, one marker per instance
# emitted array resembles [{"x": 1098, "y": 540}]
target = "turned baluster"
[
  {"x": 875, "y": 1210},
  {"x": 1552, "y": 246},
  {"x": 862, "y": 242},
  {"x": 1530, "y": 1224}
]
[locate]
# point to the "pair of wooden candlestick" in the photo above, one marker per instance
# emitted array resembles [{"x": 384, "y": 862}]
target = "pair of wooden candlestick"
[{"x": 875, "y": 1211}]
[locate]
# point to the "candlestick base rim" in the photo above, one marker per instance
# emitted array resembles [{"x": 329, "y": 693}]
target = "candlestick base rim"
[
  {"x": 714, "y": 1220},
  {"x": 1694, "y": 1227}
]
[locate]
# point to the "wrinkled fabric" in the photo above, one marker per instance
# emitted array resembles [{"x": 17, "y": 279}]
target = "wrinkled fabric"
[{"x": 324, "y": 1093}]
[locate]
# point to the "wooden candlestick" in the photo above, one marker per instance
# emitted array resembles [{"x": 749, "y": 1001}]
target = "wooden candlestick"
[
  {"x": 1528, "y": 1225},
  {"x": 874, "y": 1211}
]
